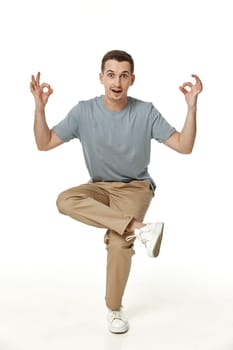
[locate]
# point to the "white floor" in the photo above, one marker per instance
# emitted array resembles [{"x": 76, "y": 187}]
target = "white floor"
[{"x": 178, "y": 301}]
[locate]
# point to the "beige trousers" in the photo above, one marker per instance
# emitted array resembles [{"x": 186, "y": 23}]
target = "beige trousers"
[{"x": 110, "y": 205}]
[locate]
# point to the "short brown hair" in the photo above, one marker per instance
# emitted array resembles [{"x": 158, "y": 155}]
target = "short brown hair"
[{"x": 119, "y": 56}]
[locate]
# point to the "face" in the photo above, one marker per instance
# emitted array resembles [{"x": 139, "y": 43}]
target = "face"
[{"x": 116, "y": 78}]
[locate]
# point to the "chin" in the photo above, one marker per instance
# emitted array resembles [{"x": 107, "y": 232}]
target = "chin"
[{"x": 119, "y": 97}]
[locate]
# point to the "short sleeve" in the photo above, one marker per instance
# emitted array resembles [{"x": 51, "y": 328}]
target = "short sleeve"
[
  {"x": 161, "y": 130},
  {"x": 67, "y": 128}
]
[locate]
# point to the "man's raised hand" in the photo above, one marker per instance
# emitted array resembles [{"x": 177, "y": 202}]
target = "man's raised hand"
[
  {"x": 41, "y": 92},
  {"x": 191, "y": 91}
]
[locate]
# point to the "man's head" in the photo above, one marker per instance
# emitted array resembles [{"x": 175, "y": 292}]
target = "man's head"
[
  {"x": 119, "y": 56},
  {"x": 117, "y": 76}
]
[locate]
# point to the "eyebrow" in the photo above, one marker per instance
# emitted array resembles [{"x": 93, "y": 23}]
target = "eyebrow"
[{"x": 112, "y": 71}]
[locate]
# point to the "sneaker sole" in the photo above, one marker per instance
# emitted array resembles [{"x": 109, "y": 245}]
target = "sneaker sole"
[
  {"x": 119, "y": 330},
  {"x": 154, "y": 248}
]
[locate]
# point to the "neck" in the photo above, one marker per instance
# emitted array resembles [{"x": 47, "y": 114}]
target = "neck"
[{"x": 115, "y": 106}]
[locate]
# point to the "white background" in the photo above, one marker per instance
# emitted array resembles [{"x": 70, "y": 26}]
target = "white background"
[{"x": 42, "y": 251}]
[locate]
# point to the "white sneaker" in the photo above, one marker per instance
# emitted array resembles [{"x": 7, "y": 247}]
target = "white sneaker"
[
  {"x": 151, "y": 236},
  {"x": 117, "y": 321}
]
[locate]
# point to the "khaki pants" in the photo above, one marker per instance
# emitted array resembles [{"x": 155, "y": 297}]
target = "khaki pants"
[{"x": 110, "y": 205}]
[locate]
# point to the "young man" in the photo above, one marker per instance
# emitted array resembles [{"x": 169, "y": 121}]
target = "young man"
[{"x": 115, "y": 131}]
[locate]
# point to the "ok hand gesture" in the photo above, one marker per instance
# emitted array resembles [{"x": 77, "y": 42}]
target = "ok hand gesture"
[
  {"x": 191, "y": 91},
  {"x": 41, "y": 92}
]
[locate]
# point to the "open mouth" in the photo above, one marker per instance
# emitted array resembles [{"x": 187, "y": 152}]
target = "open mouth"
[{"x": 117, "y": 91}]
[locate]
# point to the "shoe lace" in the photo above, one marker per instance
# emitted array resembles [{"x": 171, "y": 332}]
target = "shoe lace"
[
  {"x": 129, "y": 238},
  {"x": 141, "y": 235},
  {"x": 116, "y": 315}
]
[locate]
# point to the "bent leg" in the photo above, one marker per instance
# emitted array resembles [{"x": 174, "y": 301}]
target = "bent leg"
[{"x": 89, "y": 204}]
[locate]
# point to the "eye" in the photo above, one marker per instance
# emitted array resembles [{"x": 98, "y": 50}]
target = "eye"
[
  {"x": 125, "y": 76},
  {"x": 110, "y": 75}
]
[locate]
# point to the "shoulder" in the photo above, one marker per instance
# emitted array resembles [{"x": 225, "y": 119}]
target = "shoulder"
[
  {"x": 145, "y": 107},
  {"x": 135, "y": 102},
  {"x": 90, "y": 102},
  {"x": 85, "y": 106}
]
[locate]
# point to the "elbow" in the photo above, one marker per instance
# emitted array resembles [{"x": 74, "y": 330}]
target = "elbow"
[
  {"x": 42, "y": 147},
  {"x": 186, "y": 150},
  {"x": 186, "y": 147},
  {"x": 180, "y": 144}
]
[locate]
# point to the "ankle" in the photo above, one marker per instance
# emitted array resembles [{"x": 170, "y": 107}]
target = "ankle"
[{"x": 134, "y": 224}]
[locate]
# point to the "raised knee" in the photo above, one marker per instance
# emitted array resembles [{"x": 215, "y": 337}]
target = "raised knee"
[{"x": 62, "y": 202}]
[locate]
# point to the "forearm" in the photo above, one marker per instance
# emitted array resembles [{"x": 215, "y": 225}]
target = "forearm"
[
  {"x": 41, "y": 130},
  {"x": 188, "y": 133}
]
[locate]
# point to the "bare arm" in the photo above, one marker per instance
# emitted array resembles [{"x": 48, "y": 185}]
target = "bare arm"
[
  {"x": 45, "y": 138},
  {"x": 183, "y": 141}
]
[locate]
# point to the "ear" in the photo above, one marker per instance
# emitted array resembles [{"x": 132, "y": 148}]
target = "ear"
[
  {"x": 101, "y": 78},
  {"x": 132, "y": 79}
]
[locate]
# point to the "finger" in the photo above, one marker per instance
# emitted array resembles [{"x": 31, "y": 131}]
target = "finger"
[
  {"x": 198, "y": 80},
  {"x": 45, "y": 87},
  {"x": 188, "y": 84},
  {"x": 38, "y": 78},
  {"x": 33, "y": 84},
  {"x": 186, "y": 87},
  {"x": 196, "y": 77},
  {"x": 32, "y": 87},
  {"x": 182, "y": 89},
  {"x": 33, "y": 80}
]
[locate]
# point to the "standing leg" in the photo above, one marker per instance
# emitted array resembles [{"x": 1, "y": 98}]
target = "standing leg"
[
  {"x": 132, "y": 199},
  {"x": 119, "y": 254}
]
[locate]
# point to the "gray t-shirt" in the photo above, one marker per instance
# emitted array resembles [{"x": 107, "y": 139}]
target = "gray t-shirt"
[{"x": 116, "y": 145}]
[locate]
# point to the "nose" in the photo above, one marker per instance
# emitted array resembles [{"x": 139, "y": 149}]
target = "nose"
[{"x": 117, "y": 80}]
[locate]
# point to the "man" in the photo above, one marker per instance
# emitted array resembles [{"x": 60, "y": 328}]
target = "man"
[{"x": 115, "y": 131}]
